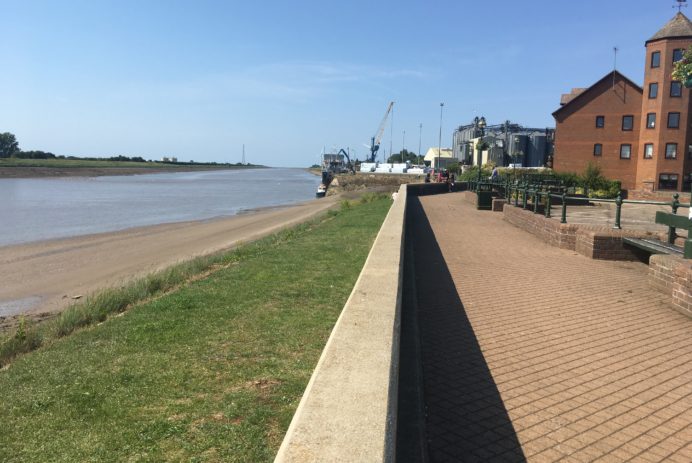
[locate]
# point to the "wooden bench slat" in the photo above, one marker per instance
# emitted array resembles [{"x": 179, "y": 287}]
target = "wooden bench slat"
[
  {"x": 653, "y": 246},
  {"x": 673, "y": 220}
]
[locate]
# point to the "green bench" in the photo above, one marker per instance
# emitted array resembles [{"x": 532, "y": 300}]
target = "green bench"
[{"x": 660, "y": 247}]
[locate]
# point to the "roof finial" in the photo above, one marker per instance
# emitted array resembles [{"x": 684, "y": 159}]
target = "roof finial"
[{"x": 681, "y": 4}]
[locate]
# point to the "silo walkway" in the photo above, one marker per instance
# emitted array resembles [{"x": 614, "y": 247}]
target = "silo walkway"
[{"x": 530, "y": 352}]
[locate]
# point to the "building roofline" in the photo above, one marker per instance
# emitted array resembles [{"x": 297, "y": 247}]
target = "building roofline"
[
  {"x": 588, "y": 90},
  {"x": 679, "y": 37}
]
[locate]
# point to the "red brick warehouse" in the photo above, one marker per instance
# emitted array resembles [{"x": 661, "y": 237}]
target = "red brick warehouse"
[{"x": 640, "y": 136}]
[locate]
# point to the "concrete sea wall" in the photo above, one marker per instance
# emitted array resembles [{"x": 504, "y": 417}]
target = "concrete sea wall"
[{"x": 348, "y": 409}]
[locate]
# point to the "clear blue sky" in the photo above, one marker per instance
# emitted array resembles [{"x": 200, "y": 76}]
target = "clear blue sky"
[{"x": 197, "y": 79}]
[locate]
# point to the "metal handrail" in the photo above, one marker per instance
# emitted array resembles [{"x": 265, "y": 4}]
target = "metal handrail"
[{"x": 536, "y": 193}]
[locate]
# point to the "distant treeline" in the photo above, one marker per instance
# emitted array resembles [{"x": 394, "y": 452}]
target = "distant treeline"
[
  {"x": 37, "y": 154},
  {"x": 9, "y": 148}
]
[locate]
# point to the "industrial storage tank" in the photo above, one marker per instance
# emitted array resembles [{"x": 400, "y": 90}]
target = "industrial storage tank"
[
  {"x": 518, "y": 149},
  {"x": 537, "y": 151}
]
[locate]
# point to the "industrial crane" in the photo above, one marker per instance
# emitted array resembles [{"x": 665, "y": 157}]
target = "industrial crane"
[{"x": 375, "y": 141}]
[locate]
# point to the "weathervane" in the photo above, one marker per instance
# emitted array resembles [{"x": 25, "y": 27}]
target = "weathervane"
[{"x": 681, "y": 4}]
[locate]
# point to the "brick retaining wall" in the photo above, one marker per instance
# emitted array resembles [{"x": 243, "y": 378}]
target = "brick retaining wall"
[
  {"x": 551, "y": 231},
  {"x": 498, "y": 204},
  {"x": 673, "y": 275},
  {"x": 595, "y": 242},
  {"x": 606, "y": 243}
]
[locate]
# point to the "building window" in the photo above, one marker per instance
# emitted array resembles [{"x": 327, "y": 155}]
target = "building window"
[
  {"x": 648, "y": 150},
  {"x": 673, "y": 120},
  {"x": 655, "y": 59},
  {"x": 600, "y": 122},
  {"x": 653, "y": 90},
  {"x": 627, "y": 122},
  {"x": 675, "y": 89},
  {"x": 668, "y": 182},
  {"x": 597, "y": 149},
  {"x": 677, "y": 54},
  {"x": 687, "y": 182},
  {"x": 651, "y": 120},
  {"x": 689, "y": 152},
  {"x": 671, "y": 150},
  {"x": 625, "y": 151}
]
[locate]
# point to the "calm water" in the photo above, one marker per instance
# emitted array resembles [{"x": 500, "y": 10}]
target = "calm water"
[{"x": 39, "y": 209}]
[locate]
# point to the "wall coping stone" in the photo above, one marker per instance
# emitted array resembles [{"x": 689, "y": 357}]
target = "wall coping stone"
[{"x": 348, "y": 410}]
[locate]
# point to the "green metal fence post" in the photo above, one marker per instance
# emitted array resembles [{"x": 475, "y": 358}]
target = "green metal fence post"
[
  {"x": 618, "y": 210},
  {"x": 675, "y": 203},
  {"x": 563, "y": 219},
  {"x": 516, "y": 195},
  {"x": 536, "y": 199},
  {"x": 523, "y": 204},
  {"x": 547, "y": 206}
]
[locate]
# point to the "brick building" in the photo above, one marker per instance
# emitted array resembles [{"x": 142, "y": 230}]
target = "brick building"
[{"x": 640, "y": 136}]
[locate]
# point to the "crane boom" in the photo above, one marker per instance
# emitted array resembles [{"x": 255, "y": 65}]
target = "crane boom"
[{"x": 375, "y": 141}]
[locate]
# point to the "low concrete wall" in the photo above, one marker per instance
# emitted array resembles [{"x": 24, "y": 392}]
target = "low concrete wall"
[
  {"x": 348, "y": 410},
  {"x": 422, "y": 189}
]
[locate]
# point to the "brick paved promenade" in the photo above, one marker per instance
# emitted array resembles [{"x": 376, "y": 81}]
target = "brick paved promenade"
[{"x": 534, "y": 353}]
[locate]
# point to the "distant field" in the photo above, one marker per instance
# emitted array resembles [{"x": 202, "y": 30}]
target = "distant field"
[
  {"x": 63, "y": 163},
  {"x": 28, "y": 168}
]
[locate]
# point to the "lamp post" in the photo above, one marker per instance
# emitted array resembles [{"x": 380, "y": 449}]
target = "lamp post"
[
  {"x": 439, "y": 142},
  {"x": 420, "y": 136},
  {"x": 403, "y": 144},
  {"x": 480, "y": 123},
  {"x": 516, "y": 152}
]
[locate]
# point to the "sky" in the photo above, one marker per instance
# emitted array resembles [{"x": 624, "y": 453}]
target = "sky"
[{"x": 199, "y": 79}]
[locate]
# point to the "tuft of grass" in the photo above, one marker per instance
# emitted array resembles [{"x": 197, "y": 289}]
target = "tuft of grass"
[
  {"x": 212, "y": 369},
  {"x": 370, "y": 197}
]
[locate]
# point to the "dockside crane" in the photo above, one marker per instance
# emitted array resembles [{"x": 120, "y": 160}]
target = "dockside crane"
[{"x": 375, "y": 141}]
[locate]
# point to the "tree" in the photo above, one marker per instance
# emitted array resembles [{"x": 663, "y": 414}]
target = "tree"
[
  {"x": 592, "y": 178},
  {"x": 8, "y": 145},
  {"x": 403, "y": 156}
]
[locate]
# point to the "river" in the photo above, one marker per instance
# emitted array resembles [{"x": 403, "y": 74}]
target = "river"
[{"x": 46, "y": 208}]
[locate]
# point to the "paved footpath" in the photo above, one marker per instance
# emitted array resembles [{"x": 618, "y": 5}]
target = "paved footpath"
[{"x": 530, "y": 352}]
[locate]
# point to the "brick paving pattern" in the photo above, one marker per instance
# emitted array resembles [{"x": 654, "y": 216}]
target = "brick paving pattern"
[{"x": 530, "y": 352}]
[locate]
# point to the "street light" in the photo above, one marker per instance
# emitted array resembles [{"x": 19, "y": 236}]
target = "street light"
[
  {"x": 480, "y": 123},
  {"x": 420, "y": 137},
  {"x": 403, "y": 144},
  {"x": 439, "y": 142}
]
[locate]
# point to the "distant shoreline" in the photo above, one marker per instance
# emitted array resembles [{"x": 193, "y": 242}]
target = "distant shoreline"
[{"x": 39, "y": 172}]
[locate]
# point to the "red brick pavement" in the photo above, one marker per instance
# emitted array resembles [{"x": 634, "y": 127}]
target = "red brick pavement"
[{"x": 542, "y": 354}]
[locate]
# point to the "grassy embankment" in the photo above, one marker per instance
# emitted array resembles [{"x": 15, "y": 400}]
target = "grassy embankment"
[{"x": 211, "y": 371}]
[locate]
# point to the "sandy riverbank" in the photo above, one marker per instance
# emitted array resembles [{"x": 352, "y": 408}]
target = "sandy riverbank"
[{"x": 40, "y": 279}]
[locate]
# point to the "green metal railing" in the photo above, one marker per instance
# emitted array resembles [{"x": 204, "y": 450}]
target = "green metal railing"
[
  {"x": 535, "y": 196},
  {"x": 527, "y": 195}
]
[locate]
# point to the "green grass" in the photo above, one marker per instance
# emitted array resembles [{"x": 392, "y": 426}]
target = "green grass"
[{"x": 212, "y": 371}]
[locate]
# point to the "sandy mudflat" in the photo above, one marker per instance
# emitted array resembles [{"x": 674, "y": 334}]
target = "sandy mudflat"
[{"x": 39, "y": 279}]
